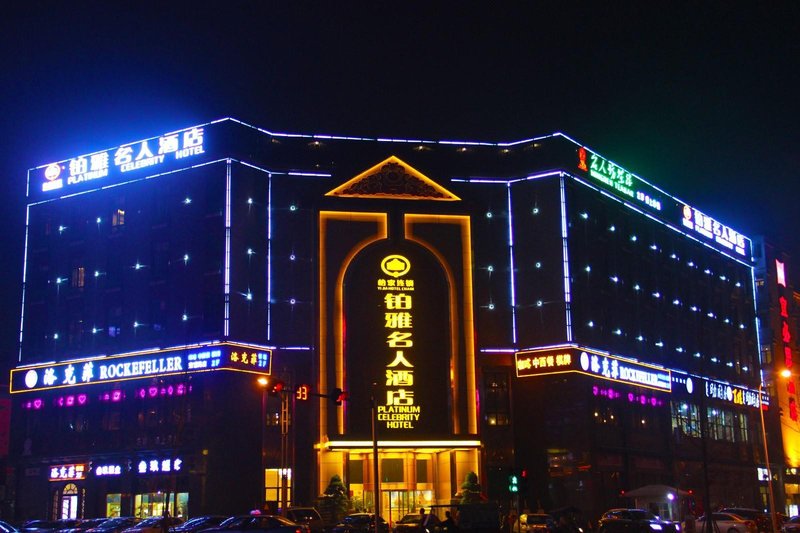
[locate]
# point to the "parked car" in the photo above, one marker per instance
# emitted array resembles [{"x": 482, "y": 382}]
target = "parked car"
[
  {"x": 538, "y": 522},
  {"x": 5, "y": 527},
  {"x": 634, "y": 521},
  {"x": 83, "y": 525},
  {"x": 153, "y": 524},
  {"x": 360, "y": 523},
  {"x": 41, "y": 525},
  {"x": 791, "y": 525},
  {"x": 261, "y": 522},
  {"x": 412, "y": 523},
  {"x": 728, "y": 523},
  {"x": 114, "y": 525},
  {"x": 308, "y": 516},
  {"x": 762, "y": 519},
  {"x": 199, "y": 523}
]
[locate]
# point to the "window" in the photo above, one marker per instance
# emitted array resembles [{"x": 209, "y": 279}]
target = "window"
[
  {"x": 392, "y": 470},
  {"x": 272, "y": 484},
  {"x": 496, "y": 412},
  {"x": 78, "y": 277},
  {"x": 686, "y": 419},
  {"x": 118, "y": 218}
]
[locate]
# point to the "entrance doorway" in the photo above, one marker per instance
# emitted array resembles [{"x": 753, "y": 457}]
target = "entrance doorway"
[
  {"x": 395, "y": 504},
  {"x": 69, "y": 502}
]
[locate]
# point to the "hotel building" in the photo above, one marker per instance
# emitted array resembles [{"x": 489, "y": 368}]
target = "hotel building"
[{"x": 489, "y": 307}]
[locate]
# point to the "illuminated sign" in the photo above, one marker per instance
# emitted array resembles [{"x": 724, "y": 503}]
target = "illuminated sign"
[
  {"x": 701, "y": 224},
  {"x": 149, "y": 153},
  {"x": 630, "y": 187},
  {"x": 731, "y": 393},
  {"x": 618, "y": 179},
  {"x": 171, "y": 361},
  {"x": 70, "y": 472},
  {"x": 786, "y": 340},
  {"x": 108, "y": 470},
  {"x": 399, "y": 410},
  {"x": 159, "y": 465},
  {"x": 593, "y": 363}
]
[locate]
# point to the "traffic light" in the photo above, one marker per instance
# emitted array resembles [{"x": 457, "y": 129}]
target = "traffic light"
[
  {"x": 301, "y": 392},
  {"x": 338, "y": 396},
  {"x": 276, "y": 388},
  {"x": 523, "y": 481},
  {"x": 513, "y": 483}
]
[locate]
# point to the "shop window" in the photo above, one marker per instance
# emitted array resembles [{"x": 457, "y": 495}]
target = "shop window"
[
  {"x": 113, "y": 505},
  {"x": 392, "y": 470},
  {"x": 272, "y": 485},
  {"x": 685, "y": 419},
  {"x": 154, "y": 504}
]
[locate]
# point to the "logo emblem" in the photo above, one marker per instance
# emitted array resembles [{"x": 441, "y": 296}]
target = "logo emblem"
[
  {"x": 52, "y": 171},
  {"x": 395, "y": 265}
]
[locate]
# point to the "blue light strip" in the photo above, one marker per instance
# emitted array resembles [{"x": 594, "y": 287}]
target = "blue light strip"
[
  {"x": 227, "y": 282},
  {"x": 24, "y": 279},
  {"x": 758, "y": 328},
  {"x": 565, "y": 257},
  {"x": 269, "y": 256},
  {"x": 512, "y": 278}
]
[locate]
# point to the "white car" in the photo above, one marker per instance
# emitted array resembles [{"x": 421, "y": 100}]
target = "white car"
[{"x": 728, "y": 523}]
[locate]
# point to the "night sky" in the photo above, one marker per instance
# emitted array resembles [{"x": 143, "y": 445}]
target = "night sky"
[{"x": 700, "y": 99}]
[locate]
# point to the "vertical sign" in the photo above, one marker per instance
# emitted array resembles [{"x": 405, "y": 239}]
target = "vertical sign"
[
  {"x": 398, "y": 410},
  {"x": 786, "y": 338}
]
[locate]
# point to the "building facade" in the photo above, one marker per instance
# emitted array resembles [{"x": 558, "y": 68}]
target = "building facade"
[{"x": 475, "y": 307}]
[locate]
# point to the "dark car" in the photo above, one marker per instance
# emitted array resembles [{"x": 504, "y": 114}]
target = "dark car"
[
  {"x": 634, "y": 521},
  {"x": 791, "y": 525},
  {"x": 260, "y": 522},
  {"x": 360, "y": 523},
  {"x": 308, "y": 516},
  {"x": 412, "y": 523},
  {"x": 114, "y": 525},
  {"x": 41, "y": 525},
  {"x": 762, "y": 519},
  {"x": 5, "y": 527},
  {"x": 83, "y": 525},
  {"x": 199, "y": 523}
]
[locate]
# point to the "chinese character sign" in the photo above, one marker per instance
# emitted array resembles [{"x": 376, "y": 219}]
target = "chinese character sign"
[{"x": 398, "y": 334}]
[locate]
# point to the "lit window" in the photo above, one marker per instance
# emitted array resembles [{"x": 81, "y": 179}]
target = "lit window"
[{"x": 118, "y": 218}]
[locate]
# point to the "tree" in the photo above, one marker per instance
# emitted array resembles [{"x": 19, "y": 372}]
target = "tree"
[
  {"x": 470, "y": 489},
  {"x": 335, "y": 500}
]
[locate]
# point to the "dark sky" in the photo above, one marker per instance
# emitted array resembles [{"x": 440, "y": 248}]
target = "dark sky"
[{"x": 698, "y": 98}]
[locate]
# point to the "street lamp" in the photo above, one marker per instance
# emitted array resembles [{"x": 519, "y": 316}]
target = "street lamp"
[{"x": 772, "y": 512}]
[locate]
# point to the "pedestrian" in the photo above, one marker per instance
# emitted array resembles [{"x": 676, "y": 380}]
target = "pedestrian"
[
  {"x": 165, "y": 521},
  {"x": 448, "y": 524},
  {"x": 424, "y": 517}
]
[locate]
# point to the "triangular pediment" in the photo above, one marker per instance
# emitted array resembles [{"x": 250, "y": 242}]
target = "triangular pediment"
[{"x": 392, "y": 178}]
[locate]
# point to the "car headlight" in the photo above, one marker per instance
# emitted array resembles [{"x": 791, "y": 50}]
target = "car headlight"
[{"x": 656, "y": 527}]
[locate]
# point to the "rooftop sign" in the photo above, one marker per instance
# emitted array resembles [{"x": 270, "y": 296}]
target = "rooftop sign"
[
  {"x": 107, "y": 166},
  {"x": 138, "y": 365},
  {"x": 641, "y": 194}
]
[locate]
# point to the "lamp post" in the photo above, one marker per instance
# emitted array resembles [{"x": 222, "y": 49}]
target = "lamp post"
[
  {"x": 772, "y": 511},
  {"x": 263, "y": 494}
]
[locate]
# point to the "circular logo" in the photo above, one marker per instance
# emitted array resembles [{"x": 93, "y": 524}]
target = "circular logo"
[
  {"x": 395, "y": 265},
  {"x": 585, "y": 361},
  {"x": 729, "y": 393},
  {"x": 687, "y": 212},
  {"x": 31, "y": 379},
  {"x": 689, "y": 385},
  {"x": 52, "y": 171}
]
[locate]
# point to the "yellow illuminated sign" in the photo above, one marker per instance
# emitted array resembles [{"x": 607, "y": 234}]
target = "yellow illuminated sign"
[{"x": 399, "y": 411}]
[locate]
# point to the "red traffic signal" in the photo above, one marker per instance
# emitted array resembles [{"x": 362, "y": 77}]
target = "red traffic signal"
[
  {"x": 338, "y": 396},
  {"x": 276, "y": 388}
]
